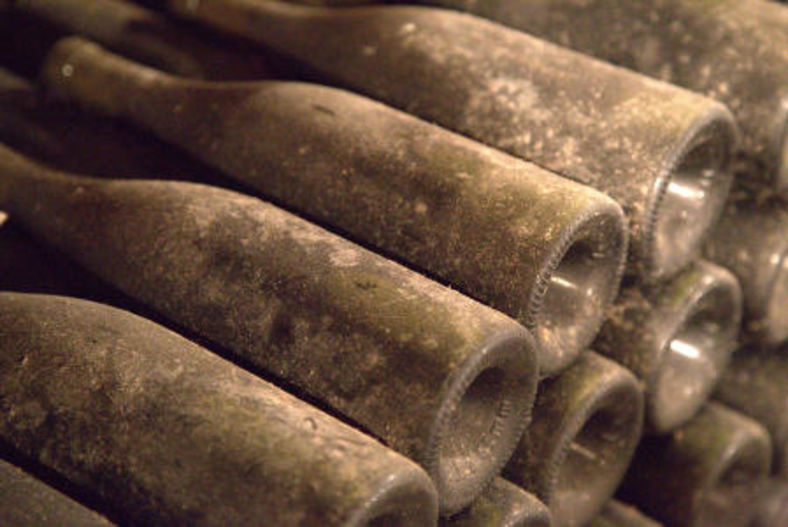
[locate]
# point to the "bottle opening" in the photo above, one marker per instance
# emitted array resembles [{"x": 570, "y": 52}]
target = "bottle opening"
[
  {"x": 694, "y": 359},
  {"x": 596, "y": 459},
  {"x": 692, "y": 201},
  {"x": 481, "y": 421},
  {"x": 579, "y": 291},
  {"x": 478, "y": 418}
]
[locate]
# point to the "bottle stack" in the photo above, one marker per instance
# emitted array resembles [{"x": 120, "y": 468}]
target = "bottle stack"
[{"x": 354, "y": 262}]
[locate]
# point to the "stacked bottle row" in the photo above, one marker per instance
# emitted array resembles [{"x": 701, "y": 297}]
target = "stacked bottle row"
[{"x": 446, "y": 376}]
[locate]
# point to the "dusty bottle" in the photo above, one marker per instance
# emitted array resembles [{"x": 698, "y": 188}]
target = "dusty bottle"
[
  {"x": 538, "y": 247},
  {"x": 660, "y": 151},
  {"x": 586, "y": 425},
  {"x": 502, "y": 504},
  {"x": 677, "y": 336},
  {"x": 751, "y": 240},
  {"x": 69, "y": 138},
  {"x": 756, "y": 384},
  {"x": 708, "y": 472},
  {"x": 169, "y": 433},
  {"x": 302, "y": 304},
  {"x": 24, "y": 500},
  {"x": 618, "y": 514},
  {"x": 735, "y": 51},
  {"x": 150, "y": 38}
]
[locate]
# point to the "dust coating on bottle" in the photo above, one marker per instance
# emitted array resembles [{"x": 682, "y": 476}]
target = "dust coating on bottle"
[
  {"x": 74, "y": 139},
  {"x": 296, "y": 300},
  {"x": 169, "y": 433},
  {"x": 708, "y": 472},
  {"x": 150, "y": 38},
  {"x": 540, "y": 248},
  {"x": 614, "y": 130},
  {"x": 677, "y": 336},
  {"x": 751, "y": 240},
  {"x": 24, "y": 500},
  {"x": 586, "y": 425},
  {"x": 754, "y": 384},
  {"x": 733, "y": 51},
  {"x": 502, "y": 504}
]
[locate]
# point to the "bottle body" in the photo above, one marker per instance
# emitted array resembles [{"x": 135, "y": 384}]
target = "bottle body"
[
  {"x": 643, "y": 142},
  {"x": 298, "y": 301},
  {"x": 24, "y": 500},
  {"x": 169, "y": 433},
  {"x": 540, "y": 248},
  {"x": 732, "y": 51}
]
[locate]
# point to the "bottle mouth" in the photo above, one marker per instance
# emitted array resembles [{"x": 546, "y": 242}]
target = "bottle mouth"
[
  {"x": 695, "y": 355},
  {"x": 407, "y": 499},
  {"x": 595, "y": 451},
  {"x": 482, "y": 417},
  {"x": 774, "y": 324},
  {"x": 577, "y": 286},
  {"x": 689, "y": 198}
]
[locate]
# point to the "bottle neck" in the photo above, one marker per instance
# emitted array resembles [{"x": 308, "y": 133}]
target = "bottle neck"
[
  {"x": 286, "y": 23},
  {"x": 20, "y": 178},
  {"x": 82, "y": 71}
]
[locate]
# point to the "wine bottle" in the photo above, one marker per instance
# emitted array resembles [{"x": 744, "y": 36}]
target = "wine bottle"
[
  {"x": 586, "y": 425},
  {"x": 618, "y": 514},
  {"x": 24, "y": 500},
  {"x": 708, "y": 472},
  {"x": 662, "y": 152},
  {"x": 755, "y": 385},
  {"x": 502, "y": 504},
  {"x": 540, "y": 248},
  {"x": 69, "y": 138},
  {"x": 677, "y": 337},
  {"x": 730, "y": 50},
  {"x": 171, "y": 434},
  {"x": 150, "y": 38},
  {"x": 751, "y": 240},
  {"x": 364, "y": 335}
]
